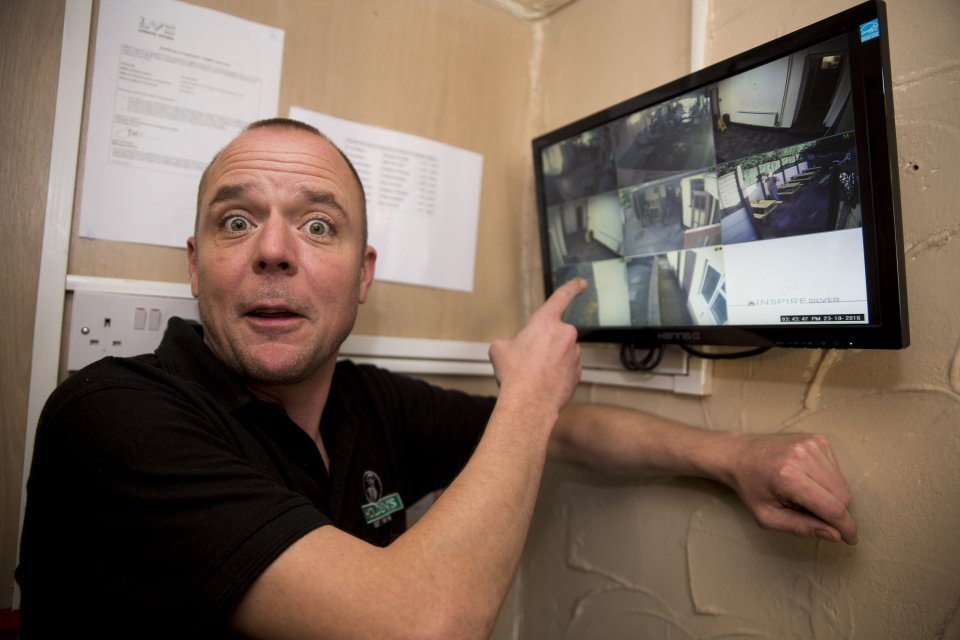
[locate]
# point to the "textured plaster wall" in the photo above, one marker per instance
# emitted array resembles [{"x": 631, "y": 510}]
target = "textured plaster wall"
[{"x": 682, "y": 559}]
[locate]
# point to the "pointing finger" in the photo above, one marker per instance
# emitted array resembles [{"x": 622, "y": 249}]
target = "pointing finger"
[{"x": 557, "y": 303}]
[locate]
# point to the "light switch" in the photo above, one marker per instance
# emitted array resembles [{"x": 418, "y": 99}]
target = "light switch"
[{"x": 139, "y": 318}]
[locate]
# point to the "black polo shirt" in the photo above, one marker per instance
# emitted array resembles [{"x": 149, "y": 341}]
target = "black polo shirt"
[{"x": 161, "y": 487}]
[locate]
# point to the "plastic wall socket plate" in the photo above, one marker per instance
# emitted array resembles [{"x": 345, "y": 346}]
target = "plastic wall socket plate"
[{"x": 118, "y": 324}]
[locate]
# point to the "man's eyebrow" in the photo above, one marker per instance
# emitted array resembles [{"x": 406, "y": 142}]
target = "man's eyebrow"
[
  {"x": 322, "y": 198},
  {"x": 229, "y": 192},
  {"x": 313, "y": 196}
]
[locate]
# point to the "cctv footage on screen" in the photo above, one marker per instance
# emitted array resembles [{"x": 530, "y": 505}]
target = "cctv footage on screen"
[{"x": 735, "y": 204}]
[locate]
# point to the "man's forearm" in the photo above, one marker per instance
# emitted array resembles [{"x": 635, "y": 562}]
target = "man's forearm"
[
  {"x": 631, "y": 443},
  {"x": 476, "y": 529},
  {"x": 789, "y": 482}
]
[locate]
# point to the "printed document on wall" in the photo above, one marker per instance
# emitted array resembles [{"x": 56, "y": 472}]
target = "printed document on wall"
[
  {"x": 172, "y": 84},
  {"x": 423, "y": 201}
]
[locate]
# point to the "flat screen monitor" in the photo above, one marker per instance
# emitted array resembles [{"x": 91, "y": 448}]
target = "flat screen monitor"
[{"x": 754, "y": 202}]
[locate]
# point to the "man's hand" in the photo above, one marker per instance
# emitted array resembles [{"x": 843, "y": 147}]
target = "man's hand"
[
  {"x": 542, "y": 362},
  {"x": 792, "y": 483}
]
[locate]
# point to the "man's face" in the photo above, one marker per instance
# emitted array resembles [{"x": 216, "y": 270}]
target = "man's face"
[{"x": 278, "y": 264}]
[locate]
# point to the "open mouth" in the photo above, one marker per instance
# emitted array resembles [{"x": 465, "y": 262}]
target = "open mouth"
[{"x": 272, "y": 313}]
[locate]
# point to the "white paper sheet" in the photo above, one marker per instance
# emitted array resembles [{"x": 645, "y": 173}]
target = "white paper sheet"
[
  {"x": 423, "y": 201},
  {"x": 172, "y": 84}
]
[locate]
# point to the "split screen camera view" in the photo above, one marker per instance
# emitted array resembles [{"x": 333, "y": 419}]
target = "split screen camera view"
[{"x": 706, "y": 209}]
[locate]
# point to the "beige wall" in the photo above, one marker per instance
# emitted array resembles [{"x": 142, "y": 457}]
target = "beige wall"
[
  {"x": 662, "y": 559},
  {"x": 682, "y": 559},
  {"x": 443, "y": 70},
  {"x": 30, "y": 35}
]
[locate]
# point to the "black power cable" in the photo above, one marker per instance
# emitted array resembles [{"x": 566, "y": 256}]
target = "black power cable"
[{"x": 628, "y": 358}]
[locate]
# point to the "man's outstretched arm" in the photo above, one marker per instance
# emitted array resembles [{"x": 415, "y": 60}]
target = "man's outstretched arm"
[
  {"x": 789, "y": 482},
  {"x": 447, "y": 576}
]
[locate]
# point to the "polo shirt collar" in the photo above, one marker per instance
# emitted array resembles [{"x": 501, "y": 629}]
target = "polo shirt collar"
[{"x": 184, "y": 353}]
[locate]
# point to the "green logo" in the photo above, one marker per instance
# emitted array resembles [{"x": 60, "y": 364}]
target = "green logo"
[{"x": 374, "y": 511}]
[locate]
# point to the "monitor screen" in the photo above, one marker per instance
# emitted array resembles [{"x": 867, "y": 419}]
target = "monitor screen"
[{"x": 754, "y": 202}]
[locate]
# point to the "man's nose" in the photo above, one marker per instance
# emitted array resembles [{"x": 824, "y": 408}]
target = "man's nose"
[{"x": 275, "y": 248}]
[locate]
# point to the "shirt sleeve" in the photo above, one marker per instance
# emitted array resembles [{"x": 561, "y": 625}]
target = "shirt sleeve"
[{"x": 146, "y": 496}]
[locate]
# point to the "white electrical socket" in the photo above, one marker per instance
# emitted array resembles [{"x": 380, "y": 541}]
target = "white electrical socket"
[{"x": 120, "y": 324}]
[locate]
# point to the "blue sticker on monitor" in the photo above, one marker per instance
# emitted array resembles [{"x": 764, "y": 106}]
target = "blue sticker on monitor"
[{"x": 870, "y": 30}]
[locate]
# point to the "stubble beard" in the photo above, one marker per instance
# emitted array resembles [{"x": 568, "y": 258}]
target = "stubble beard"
[{"x": 232, "y": 350}]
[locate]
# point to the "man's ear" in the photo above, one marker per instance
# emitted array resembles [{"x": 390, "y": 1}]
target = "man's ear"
[
  {"x": 192, "y": 265},
  {"x": 367, "y": 269}
]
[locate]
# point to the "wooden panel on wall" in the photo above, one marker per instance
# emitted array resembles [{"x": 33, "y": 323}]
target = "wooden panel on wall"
[
  {"x": 455, "y": 72},
  {"x": 30, "y": 34},
  {"x": 646, "y": 43}
]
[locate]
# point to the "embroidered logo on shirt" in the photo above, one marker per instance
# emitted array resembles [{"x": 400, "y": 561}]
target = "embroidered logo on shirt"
[{"x": 378, "y": 510}]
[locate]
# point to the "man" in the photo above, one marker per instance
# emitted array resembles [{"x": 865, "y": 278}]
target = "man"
[
  {"x": 191, "y": 492},
  {"x": 771, "y": 181}
]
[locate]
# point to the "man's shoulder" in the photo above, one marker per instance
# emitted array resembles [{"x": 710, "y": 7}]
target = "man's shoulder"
[
  {"x": 134, "y": 371},
  {"x": 97, "y": 400},
  {"x": 117, "y": 386},
  {"x": 109, "y": 373},
  {"x": 182, "y": 366}
]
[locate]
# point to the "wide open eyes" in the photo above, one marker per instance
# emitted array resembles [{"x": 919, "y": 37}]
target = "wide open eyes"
[
  {"x": 236, "y": 224},
  {"x": 318, "y": 228}
]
